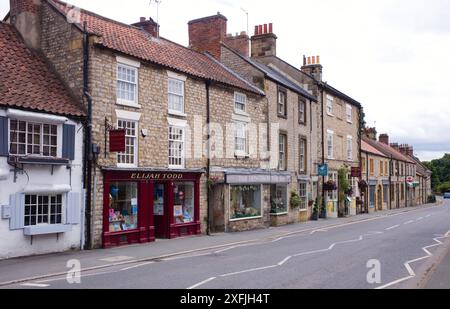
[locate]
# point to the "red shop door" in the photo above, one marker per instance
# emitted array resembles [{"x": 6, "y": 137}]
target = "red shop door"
[{"x": 161, "y": 211}]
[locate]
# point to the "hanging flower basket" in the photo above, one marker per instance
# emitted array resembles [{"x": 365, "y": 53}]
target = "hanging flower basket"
[
  {"x": 349, "y": 191},
  {"x": 330, "y": 186},
  {"x": 362, "y": 184}
]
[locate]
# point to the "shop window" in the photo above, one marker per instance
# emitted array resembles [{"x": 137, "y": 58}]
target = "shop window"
[
  {"x": 245, "y": 202},
  {"x": 123, "y": 206},
  {"x": 43, "y": 209},
  {"x": 372, "y": 192},
  {"x": 278, "y": 199},
  {"x": 385, "y": 194},
  {"x": 183, "y": 209}
]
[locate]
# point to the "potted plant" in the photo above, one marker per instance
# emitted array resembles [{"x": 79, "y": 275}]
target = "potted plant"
[
  {"x": 315, "y": 213},
  {"x": 330, "y": 185},
  {"x": 323, "y": 210}
]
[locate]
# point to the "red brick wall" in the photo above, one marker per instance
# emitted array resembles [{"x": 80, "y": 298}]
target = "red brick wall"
[
  {"x": 206, "y": 34},
  {"x": 239, "y": 43},
  {"x": 148, "y": 25}
]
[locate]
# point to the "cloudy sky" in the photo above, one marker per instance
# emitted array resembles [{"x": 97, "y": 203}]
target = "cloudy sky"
[{"x": 391, "y": 55}]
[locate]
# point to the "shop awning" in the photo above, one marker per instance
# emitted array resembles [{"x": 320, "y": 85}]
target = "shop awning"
[{"x": 254, "y": 176}]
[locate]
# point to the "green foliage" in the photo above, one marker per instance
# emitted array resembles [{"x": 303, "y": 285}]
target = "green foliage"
[
  {"x": 344, "y": 184},
  {"x": 295, "y": 200},
  {"x": 440, "y": 180}
]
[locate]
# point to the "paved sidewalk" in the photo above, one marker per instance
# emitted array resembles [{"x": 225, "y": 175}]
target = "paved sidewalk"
[
  {"x": 15, "y": 270},
  {"x": 440, "y": 279}
]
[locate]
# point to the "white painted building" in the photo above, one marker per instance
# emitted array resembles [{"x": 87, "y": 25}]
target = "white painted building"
[{"x": 41, "y": 156}]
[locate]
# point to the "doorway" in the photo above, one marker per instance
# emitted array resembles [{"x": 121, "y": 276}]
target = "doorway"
[{"x": 160, "y": 211}]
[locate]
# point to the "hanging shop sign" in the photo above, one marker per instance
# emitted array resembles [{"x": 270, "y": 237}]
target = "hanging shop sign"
[
  {"x": 323, "y": 170},
  {"x": 117, "y": 141}
]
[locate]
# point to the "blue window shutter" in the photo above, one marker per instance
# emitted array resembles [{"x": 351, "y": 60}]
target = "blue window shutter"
[
  {"x": 4, "y": 147},
  {"x": 73, "y": 209},
  {"x": 17, "y": 204},
  {"x": 68, "y": 150}
]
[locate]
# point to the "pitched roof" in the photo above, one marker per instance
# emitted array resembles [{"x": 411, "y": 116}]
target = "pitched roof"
[
  {"x": 388, "y": 150},
  {"x": 340, "y": 94},
  {"x": 27, "y": 82},
  {"x": 274, "y": 75},
  {"x": 366, "y": 147},
  {"x": 137, "y": 43}
]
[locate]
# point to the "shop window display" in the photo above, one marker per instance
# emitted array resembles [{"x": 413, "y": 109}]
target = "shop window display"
[
  {"x": 245, "y": 202},
  {"x": 183, "y": 209},
  {"x": 123, "y": 207},
  {"x": 158, "y": 200},
  {"x": 278, "y": 199}
]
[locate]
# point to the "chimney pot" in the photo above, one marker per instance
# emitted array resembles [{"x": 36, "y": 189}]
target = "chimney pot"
[
  {"x": 271, "y": 28},
  {"x": 313, "y": 59},
  {"x": 265, "y": 29},
  {"x": 142, "y": 19},
  {"x": 309, "y": 60},
  {"x": 260, "y": 29},
  {"x": 318, "y": 59}
]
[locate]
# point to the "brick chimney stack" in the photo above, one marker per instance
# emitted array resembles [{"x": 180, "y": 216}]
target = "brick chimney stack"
[
  {"x": 150, "y": 26},
  {"x": 370, "y": 133},
  {"x": 312, "y": 66},
  {"x": 206, "y": 34},
  {"x": 239, "y": 42},
  {"x": 384, "y": 138},
  {"x": 411, "y": 151},
  {"x": 396, "y": 146},
  {"x": 264, "y": 41},
  {"x": 25, "y": 17}
]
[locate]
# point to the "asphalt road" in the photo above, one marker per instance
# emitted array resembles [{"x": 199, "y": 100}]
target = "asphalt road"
[{"x": 404, "y": 246}]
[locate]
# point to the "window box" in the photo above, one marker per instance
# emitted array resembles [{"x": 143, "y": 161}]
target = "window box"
[
  {"x": 38, "y": 160},
  {"x": 46, "y": 229}
]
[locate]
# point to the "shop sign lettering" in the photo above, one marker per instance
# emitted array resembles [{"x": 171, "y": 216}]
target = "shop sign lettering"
[{"x": 156, "y": 176}]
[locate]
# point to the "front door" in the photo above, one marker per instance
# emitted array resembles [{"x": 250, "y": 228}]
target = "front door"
[
  {"x": 380, "y": 198},
  {"x": 160, "y": 211}
]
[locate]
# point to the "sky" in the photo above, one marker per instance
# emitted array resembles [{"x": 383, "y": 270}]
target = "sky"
[{"x": 393, "y": 56}]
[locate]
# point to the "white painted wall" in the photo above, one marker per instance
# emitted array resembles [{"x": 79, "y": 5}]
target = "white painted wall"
[{"x": 14, "y": 243}]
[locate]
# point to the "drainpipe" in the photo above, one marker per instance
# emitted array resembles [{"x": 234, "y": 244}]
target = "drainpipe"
[
  {"x": 208, "y": 162},
  {"x": 323, "y": 143},
  {"x": 88, "y": 140},
  {"x": 391, "y": 164}
]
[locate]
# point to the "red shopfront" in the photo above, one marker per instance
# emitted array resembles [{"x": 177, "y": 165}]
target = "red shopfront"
[{"x": 140, "y": 206}]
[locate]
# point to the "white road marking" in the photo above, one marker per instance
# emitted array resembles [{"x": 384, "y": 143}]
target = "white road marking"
[
  {"x": 201, "y": 283},
  {"x": 136, "y": 266},
  {"x": 392, "y": 227},
  {"x": 35, "y": 285},
  {"x": 249, "y": 270},
  {"x": 117, "y": 259},
  {"x": 408, "y": 267},
  {"x": 284, "y": 261},
  {"x": 408, "y": 222},
  {"x": 186, "y": 257},
  {"x": 317, "y": 231},
  {"x": 419, "y": 219}
]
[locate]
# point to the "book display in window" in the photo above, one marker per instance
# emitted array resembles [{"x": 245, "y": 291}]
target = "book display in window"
[
  {"x": 123, "y": 207},
  {"x": 183, "y": 209}
]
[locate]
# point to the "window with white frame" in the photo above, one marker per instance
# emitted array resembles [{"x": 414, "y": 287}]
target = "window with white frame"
[
  {"x": 349, "y": 148},
  {"x": 302, "y": 111},
  {"x": 302, "y": 155},
  {"x": 330, "y": 145},
  {"x": 240, "y": 138},
  {"x": 282, "y": 164},
  {"x": 176, "y": 96},
  {"x": 349, "y": 113},
  {"x": 127, "y": 80},
  {"x": 129, "y": 157},
  {"x": 332, "y": 195},
  {"x": 330, "y": 101},
  {"x": 303, "y": 193},
  {"x": 282, "y": 103},
  {"x": 43, "y": 209},
  {"x": 240, "y": 102},
  {"x": 27, "y": 138},
  {"x": 176, "y": 147}
]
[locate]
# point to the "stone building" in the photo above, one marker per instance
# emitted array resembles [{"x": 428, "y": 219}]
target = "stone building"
[
  {"x": 338, "y": 118},
  {"x": 402, "y": 170},
  {"x": 290, "y": 111},
  {"x": 375, "y": 168},
  {"x": 41, "y": 151},
  {"x": 178, "y": 114}
]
